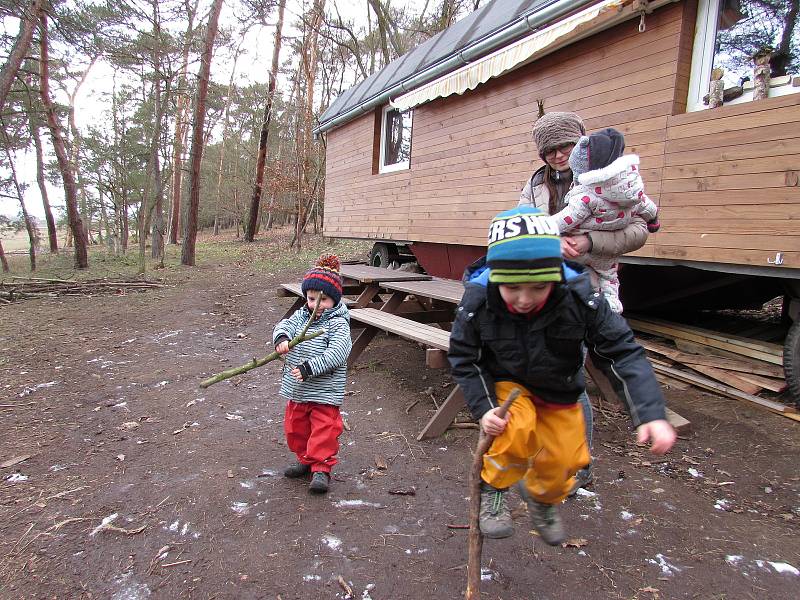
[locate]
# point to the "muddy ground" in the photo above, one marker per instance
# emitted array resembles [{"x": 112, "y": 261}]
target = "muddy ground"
[{"x": 139, "y": 484}]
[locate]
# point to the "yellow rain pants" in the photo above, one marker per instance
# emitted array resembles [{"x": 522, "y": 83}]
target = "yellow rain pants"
[{"x": 542, "y": 444}]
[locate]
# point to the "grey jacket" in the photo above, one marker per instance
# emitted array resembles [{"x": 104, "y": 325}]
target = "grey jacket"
[
  {"x": 325, "y": 357},
  {"x": 605, "y": 244}
]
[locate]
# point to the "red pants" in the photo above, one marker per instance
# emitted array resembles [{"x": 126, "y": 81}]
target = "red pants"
[{"x": 312, "y": 433}]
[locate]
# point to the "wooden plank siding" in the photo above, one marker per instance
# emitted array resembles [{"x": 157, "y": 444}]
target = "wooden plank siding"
[{"x": 726, "y": 180}]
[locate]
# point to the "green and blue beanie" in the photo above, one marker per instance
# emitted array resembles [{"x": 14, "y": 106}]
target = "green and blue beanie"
[{"x": 524, "y": 247}]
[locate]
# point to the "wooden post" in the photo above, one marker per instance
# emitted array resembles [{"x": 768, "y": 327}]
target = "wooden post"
[
  {"x": 716, "y": 88},
  {"x": 761, "y": 74}
]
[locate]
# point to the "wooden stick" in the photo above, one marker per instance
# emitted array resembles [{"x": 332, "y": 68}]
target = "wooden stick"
[
  {"x": 475, "y": 537},
  {"x": 260, "y": 362}
]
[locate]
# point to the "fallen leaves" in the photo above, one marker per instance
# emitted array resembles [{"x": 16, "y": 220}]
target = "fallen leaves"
[{"x": 575, "y": 543}]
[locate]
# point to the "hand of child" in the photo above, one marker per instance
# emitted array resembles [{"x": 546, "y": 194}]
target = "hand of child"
[
  {"x": 573, "y": 246},
  {"x": 659, "y": 433},
  {"x": 492, "y": 424},
  {"x": 282, "y": 348},
  {"x": 296, "y": 374}
]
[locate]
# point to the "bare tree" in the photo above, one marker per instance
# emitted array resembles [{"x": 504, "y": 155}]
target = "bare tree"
[
  {"x": 196, "y": 154},
  {"x": 70, "y": 189},
  {"x": 255, "y": 200},
  {"x": 28, "y": 23},
  {"x": 29, "y": 225},
  {"x": 3, "y": 258}
]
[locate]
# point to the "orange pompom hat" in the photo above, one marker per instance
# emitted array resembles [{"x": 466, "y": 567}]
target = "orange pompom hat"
[{"x": 324, "y": 276}]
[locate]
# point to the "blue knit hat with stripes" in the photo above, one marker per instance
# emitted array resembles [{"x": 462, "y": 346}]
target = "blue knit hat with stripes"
[{"x": 524, "y": 247}]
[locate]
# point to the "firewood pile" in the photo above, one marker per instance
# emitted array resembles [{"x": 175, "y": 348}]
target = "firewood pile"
[
  {"x": 20, "y": 288},
  {"x": 733, "y": 366}
]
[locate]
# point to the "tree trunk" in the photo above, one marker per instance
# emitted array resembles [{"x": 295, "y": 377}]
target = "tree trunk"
[
  {"x": 196, "y": 154},
  {"x": 225, "y": 124},
  {"x": 48, "y": 212},
  {"x": 181, "y": 115},
  {"x": 27, "y": 26},
  {"x": 75, "y": 149},
  {"x": 3, "y": 258},
  {"x": 157, "y": 232},
  {"x": 27, "y": 218},
  {"x": 255, "y": 201},
  {"x": 70, "y": 190}
]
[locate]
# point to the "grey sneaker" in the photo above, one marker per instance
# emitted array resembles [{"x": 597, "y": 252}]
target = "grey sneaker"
[
  {"x": 495, "y": 517},
  {"x": 583, "y": 478},
  {"x": 544, "y": 517},
  {"x": 319, "y": 483},
  {"x": 296, "y": 470}
]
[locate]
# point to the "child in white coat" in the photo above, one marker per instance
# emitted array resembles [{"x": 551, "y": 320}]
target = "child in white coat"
[{"x": 607, "y": 196}]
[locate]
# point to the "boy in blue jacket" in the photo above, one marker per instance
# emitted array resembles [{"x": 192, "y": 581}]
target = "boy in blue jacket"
[
  {"x": 523, "y": 324},
  {"x": 315, "y": 374}
]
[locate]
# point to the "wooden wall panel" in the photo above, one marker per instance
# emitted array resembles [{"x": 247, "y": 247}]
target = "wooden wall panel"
[{"x": 726, "y": 180}]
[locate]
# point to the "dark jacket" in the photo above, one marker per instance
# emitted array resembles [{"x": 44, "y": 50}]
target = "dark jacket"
[{"x": 545, "y": 353}]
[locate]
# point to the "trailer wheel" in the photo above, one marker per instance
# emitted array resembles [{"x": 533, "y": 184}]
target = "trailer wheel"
[
  {"x": 381, "y": 255},
  {"x": 791, "y": 361}
]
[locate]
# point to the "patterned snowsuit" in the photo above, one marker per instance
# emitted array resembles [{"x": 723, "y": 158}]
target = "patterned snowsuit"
[{"x": 607, "y": 199}]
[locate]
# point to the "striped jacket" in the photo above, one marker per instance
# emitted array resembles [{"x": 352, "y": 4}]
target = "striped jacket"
[{"x": 326, "y": 356}]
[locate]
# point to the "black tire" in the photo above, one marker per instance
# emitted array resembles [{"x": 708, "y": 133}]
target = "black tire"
[
  {"x": 381, "y": 255},
  {"x": 791, "y": 361}
]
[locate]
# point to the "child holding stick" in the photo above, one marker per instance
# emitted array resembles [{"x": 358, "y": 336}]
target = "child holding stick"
[
  {"x": 315, "y": 374},
  {"x": 523, "y": 323}
]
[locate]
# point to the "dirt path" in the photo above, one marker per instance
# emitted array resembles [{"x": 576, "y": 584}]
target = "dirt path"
[{"x": 102, "y": 393}]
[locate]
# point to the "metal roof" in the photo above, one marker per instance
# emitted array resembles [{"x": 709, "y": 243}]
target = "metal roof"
[{"x": 479, "y": 24}]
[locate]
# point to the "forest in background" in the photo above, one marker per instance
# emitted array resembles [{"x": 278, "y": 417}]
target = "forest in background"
[{"x": 180, "y": 144}]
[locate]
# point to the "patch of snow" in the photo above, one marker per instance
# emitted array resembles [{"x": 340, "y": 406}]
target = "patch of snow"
[
  {"x": 625, "y": 515},
  {"x": 130, "y": 590},
  {"x": 722, "y": 504},
  {"x": 581, "y": 553},
  {"x": 733, "y": 559},
  {"x": 443, "y": 448},
  {"x": 161, "y": 383},
  {"x": 585, "y": 493},
  {"x": 488, "y": 575},
  {"x": 365, "y": 594},
  {"x": 694, "y": 472},
  {"x": 782, "y": 567},
  {"x": 391, "y": 529},
  {"x": 29, "y": 390},
  {"x": 331, "y": 542},
  {"x": 16, "y": 478},
  {"x": 247, "y": 484},
  {"x": 106, "y": 521},
  {"x": 355, "y": 503},
  {"x": 311, "y": 578},
  {"x": 666, "y": 568},
  {"x": 268, "y": 473},
  {"x": 185, "y": 528},
  {"x": 174, "y": 527},
  {"x": 241, "y": 508}
]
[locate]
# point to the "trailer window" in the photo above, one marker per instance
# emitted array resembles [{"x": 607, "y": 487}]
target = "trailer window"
[
  {"x": 395, "y": 140},
  {"x": 729, "y": 33}
]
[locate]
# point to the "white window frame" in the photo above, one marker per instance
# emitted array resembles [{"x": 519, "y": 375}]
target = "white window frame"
[
  {"x": 703, "y": 60},
  {"x": 399, "y": 166}
]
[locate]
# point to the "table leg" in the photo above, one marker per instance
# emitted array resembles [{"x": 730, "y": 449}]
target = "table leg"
[
  {"x": 444, "y": 416},
  {"x": 367, "y": 295},
  {"x": 297, "y": 304},
  {"x": 361, "y": 343}
]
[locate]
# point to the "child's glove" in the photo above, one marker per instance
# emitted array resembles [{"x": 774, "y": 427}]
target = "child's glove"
[
  {"x": 302, "y": 372},
  {"x": 653, "y": 225}
]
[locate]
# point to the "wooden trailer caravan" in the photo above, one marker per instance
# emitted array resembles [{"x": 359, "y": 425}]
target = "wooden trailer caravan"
[{"x": 424, "y": 152}]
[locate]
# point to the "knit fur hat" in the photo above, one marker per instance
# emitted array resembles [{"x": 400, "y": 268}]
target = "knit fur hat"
[
  {"x": 556, "y": 129},
  {"x": 524, "y": 246},
  {"x": 324, "y": 276},
  {"x": 596, "y": 151}
]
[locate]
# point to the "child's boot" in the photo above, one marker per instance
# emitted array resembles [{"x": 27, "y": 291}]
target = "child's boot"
[
  {"x": 544, "y": 517},
  {"x": 495, "y": 517},
  {"x": 296, "y": 470},
  {"x": 319, "y": 483}
]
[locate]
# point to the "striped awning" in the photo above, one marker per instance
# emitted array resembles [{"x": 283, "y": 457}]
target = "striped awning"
[{"x": 495, "y": 64}]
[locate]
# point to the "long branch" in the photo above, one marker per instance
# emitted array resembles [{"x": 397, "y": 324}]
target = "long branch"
[{"x": 475, "y": 538}]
